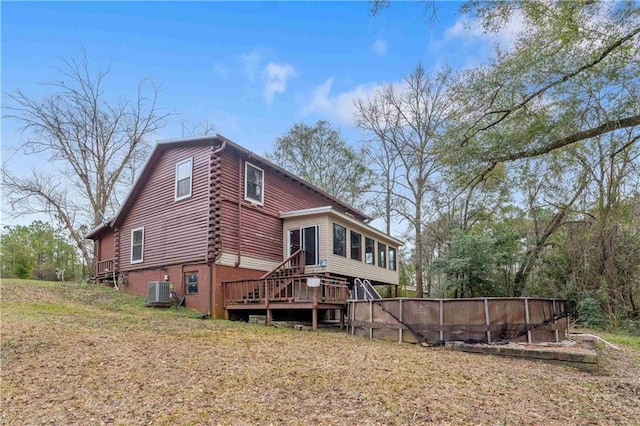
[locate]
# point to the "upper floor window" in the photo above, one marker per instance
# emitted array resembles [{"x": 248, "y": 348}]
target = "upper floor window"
[
  {"x": 392, "y": 259},
  {"x": 253, "y": 183},
  {"x": 356, "y": 246},
  {"x": 382, "y": 255},
  {"x": 184, "y": 173},
  {"x": 369, "y": 249},
  {"x": 137, "y": 245},
  {"x": 339, "y": 240}
]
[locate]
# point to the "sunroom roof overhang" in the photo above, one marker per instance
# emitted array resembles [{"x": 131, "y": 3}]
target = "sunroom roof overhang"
[{"x": 352, "y": 221}]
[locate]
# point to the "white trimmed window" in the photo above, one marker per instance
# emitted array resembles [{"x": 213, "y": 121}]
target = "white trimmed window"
[
  {"x": 253, "y": 184},
  {"x": 137, "y": 245},
  {"x": 184, "y": 173}
]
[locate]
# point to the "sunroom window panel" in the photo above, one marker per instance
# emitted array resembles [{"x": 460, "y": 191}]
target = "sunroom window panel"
[
  {"x": 356, "y": 246},
  {"x": 339, "y": 240},
  {"x": 369, "y": 251},
  {"x": 392, "y": 259},
  {"x": 382, "y": 255}
]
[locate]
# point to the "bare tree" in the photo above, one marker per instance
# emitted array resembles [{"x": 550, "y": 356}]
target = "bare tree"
[
  {"x": 409, "y": 120},
  {"x": 321, "y": 156},
  {"x": 197, "y": 129},
  {"x": 383, "y": 159},
  {"x": 93, "y": 143}
]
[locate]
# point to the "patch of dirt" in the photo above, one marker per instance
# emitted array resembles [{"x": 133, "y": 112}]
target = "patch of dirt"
[{"x": 109, "y": 360}]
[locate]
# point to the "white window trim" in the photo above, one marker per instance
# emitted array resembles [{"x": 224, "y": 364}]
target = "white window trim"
[
  {"x": 317, "y": 238},
  {"x": 246, "y": 181},
  {"x": 301, "y": 229},
  {"x": 141, "y": 251},
  {"x": 175, "y": 191}
]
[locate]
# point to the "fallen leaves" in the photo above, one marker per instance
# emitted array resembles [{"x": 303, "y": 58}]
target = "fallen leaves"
[{"x": 95, "y": 356}]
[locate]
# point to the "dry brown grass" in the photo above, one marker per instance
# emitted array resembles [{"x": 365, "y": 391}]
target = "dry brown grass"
[{"x": 78, "y": 354}]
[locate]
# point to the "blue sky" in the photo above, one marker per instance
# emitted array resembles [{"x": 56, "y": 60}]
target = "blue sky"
[{"x": 252, "y": 69}]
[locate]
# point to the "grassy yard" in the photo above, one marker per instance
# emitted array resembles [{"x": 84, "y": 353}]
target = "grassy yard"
[{"x": 84, "y": 354}]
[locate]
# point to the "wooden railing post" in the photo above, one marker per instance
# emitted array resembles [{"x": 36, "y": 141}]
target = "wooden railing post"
[{"x": 314, "y": 314}]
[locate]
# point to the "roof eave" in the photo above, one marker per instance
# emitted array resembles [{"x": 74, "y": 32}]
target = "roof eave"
[{"x": 345, "y": 217}]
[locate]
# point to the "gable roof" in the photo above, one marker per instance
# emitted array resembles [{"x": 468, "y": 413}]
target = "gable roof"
[{"x": 209, "y": 140}]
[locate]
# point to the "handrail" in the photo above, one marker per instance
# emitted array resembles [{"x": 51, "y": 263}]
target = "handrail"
[
  {"x": 370, "y": 292},
  {"x": 257, "y": 290},
  {"x": 298, "y": 253},
  {"x": 105, "y": 266}
]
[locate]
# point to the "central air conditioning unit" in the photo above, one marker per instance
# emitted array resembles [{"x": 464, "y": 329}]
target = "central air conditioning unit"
[{"x": 159, "y": 293}]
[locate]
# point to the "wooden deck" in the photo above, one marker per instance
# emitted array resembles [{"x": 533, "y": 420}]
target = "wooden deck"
[
  {"x": 104, "y": 270},
  {"x": 290, "y": 293},
  {"x": 287, "y": 287}
]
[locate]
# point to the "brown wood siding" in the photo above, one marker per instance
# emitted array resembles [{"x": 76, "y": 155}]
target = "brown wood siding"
[
  {"x": 105, "y": 246},
  {"x": 174, "y": 231},
  {"x": 261, "y": 228}
]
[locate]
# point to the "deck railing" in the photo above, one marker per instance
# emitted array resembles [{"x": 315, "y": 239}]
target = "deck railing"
[
  {"x": 293, "y": 265},
  {"x": 285, "y": 290},
  {"x": 105, "y": 267}
]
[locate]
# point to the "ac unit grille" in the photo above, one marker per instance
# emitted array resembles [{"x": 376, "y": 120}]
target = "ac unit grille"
[{"x": 159, "y": 293}]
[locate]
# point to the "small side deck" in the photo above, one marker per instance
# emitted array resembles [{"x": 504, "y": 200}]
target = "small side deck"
[{"x": 104, "y": 270}]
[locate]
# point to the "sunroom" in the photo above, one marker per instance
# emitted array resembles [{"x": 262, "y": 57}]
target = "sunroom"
[{"x": 338, "y": 244}]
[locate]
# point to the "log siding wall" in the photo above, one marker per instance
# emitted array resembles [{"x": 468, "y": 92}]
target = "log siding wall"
[
  {"x": 174, "y": 231},
  {"x": 257, "y": 229}
]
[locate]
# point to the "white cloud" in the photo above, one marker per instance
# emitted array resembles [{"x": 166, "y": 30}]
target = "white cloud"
[
  {"x": 276, "y": 76},
  {"x": 341, "y": 106},
  {"x": 250, "y": 62},
  {"x": 466, "y": 44},
  {"x": 380, "y": 47},
  {"x": 469, "y": 31}
]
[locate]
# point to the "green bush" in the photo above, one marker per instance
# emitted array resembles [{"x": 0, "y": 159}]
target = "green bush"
[
  {"x": 590, "y": 313},
  {"x": 22, "y": 268}
]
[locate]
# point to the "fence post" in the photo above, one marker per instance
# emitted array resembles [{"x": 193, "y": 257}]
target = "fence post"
[
  {"x": 555, "y": 321},
  {"x": 486, "y": 320},
  {"x": 441, "y": 319},
  {"x": 352, "y": 313},
  {"x": 526, "y": 319},
  {"x": 370, "y": 319},
  {"x": 400, "y": 329}
]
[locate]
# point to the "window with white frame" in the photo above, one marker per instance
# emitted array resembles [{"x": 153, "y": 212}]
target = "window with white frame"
[
  {"x": 137, "y": 245},
  {"x": 184, "y": 173},
  {"x": 253, "y": 183}
]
